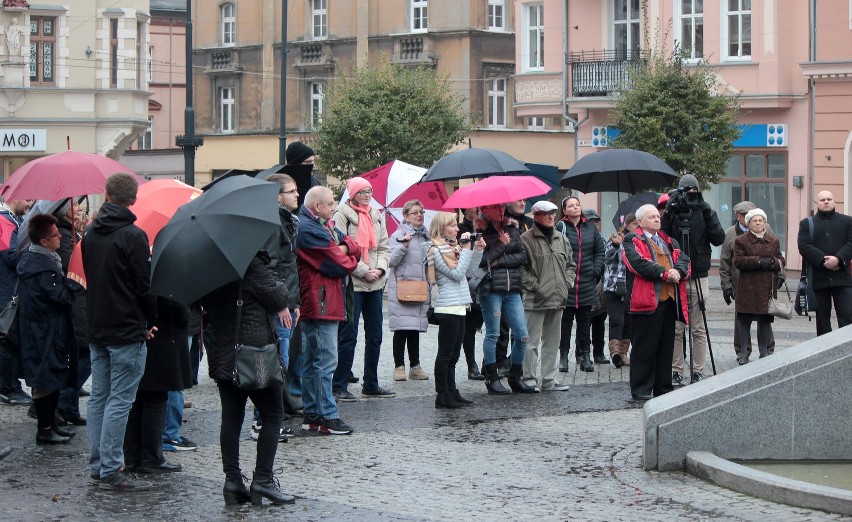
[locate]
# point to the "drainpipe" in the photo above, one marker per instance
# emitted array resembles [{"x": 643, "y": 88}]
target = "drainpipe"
[
  {"x": 812, "y": 56},
  {"x": 567, "y": 117}
]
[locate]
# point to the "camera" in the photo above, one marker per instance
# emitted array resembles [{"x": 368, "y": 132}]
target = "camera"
[{"x": 473, "y": 238}]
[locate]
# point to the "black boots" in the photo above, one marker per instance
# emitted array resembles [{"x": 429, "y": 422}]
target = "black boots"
[
  {"x": 473, "y": 373},
  {"x": 49, "y": 436},
  {"x": 492, "y": 381},
  {"x": 516, "y": 383},
  {"x": 235, "y": 491},
  {"x": 601, "y": 359},
  {"x": 563, "y": 361},
  {"x": 268, "y": 488},
  {"x": 586, "y": 364},
  {"x": 446, "y": 400},
  {"x": 459, "y": 399}
]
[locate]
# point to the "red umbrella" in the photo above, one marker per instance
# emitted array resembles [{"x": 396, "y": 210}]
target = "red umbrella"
[
  {"x": 62, "y": 175},
  {"x": 496, "y": 189}
]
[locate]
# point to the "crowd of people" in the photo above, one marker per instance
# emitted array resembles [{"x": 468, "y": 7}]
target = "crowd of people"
[{"x": 533, "y": 283}]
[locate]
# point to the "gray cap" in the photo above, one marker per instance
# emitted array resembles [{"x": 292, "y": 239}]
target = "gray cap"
[
  {"x": 743, "y": 207},
  {"x": 591, "y": 213},
  {"x": 543, "y": 206},
  {"x": 688, "y": 180}
]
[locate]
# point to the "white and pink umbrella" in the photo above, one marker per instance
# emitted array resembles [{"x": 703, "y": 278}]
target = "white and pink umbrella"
[{"x": 396, "y": 183}]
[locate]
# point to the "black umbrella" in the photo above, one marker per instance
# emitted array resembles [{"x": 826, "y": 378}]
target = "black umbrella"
[
  {"x": 228, "y": 174},
  {"x": 211, "y": 240},
  {"x": 547, "y": 173},
  {"x": 631, "y": 205},
  {"x": 619, "y": 170},
  {"x": 474, "y": 163}
]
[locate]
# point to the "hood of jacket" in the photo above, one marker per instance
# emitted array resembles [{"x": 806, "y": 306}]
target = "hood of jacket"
[
  {"x": 32, "y": 263},
  {"x": 112, "y": 217}
]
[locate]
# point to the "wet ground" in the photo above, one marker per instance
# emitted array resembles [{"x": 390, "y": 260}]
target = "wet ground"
[{"x": 572, "y": 455}]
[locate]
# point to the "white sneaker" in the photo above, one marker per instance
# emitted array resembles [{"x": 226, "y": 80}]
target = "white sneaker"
[
  {"x": 283, "y": 434},
  {"x": 555, "y": 386}
]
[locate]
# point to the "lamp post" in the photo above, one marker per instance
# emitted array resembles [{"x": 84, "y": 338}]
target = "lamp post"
[
  {"x": 282, "y": 132},
  {"x": 189, "y": 141}
]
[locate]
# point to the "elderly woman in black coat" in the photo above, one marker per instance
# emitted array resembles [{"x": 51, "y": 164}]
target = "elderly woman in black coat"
[
  {"x": 47, "y": 341},
  {"x": 263, "y": 296}
]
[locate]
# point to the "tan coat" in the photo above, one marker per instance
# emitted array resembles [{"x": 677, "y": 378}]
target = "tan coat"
[{"x": 346, "y": 219}]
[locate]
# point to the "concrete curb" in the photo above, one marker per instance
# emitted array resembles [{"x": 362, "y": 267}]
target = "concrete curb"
[{"x": 767, "y": 486}]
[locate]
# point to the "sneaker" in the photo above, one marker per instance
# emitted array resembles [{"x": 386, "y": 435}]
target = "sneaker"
[
  {"x": 378, "y": 392},
  {"x": 179, "y": 444},
  {"x": 16, "y": 398},
  {"x": 677, "y": 379},
  {"x": 417, "y": 374},
  {"x": 124, "y": 481},
  {"x": 555, "y": 386},
  {"x": 311, "y": 423},
  {"x": 334, "y": 427},
  {"x": 697, "y": 376},
  {"x": 283, "y": 434},
  {"x": 344, "y": 396},
  {"x": 94, "y": 479},
  {"x": 399, "y": 373}
]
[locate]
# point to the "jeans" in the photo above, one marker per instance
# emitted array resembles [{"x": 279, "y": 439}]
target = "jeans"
[
  {"x": 497, "y": 304},
  {"x": 842, "y": 296},
  {"x": 320, "y": 361},
  {"x": 69, "y": 397},
  {"x": 370, "y": 304},
  {"x": 269, "y": 402},
  {"x": 116, "y": 372},
  {"x": 297, "y": 361},
  {"x": 174, "y": 416},
  {"x": 143, "y": 441}
]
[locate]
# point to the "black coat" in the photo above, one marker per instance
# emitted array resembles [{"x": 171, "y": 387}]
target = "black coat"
[
  {"x": 588, "y": 249},
  {"x": 47, "y": 341},
  {"x": 832, "y": 237},
  {"x": 8, "y": 262},
  {"x": 505, "y": 260},
  {"x": 263, "y": 296},
  {"x": 704, "y": 231},
  {"x": 286, "y": 268},
  {"x": 167, "y": 366}
]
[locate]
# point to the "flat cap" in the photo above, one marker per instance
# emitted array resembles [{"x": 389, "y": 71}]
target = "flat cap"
[
  {"x": 743, "y": 207},
  {"x": 543, "y": 206}
]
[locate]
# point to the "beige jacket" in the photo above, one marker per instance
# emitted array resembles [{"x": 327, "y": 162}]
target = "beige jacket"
[{"x": 346, "y": 219}]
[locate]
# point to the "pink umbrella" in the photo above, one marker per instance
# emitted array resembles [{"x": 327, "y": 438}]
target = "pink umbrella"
[
  {"x": 496, "y": 189},
  {"x": 396, "y": 183},
  {"x": 62, "y": 175}
]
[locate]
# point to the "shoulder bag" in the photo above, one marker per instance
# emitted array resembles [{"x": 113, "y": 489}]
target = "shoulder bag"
[
  {"x": 778, "y": 308},
  {"x": 9, "y": 323},
  {"x": 255, "y": 367},
  {"x": 415, "y": 291}
]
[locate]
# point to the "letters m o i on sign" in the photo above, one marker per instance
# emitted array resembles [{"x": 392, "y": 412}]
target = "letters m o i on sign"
[{"x": 23, "y": 140}]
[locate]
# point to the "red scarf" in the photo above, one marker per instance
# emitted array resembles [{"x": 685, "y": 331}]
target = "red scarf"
[{"x": 366, "y": 236}]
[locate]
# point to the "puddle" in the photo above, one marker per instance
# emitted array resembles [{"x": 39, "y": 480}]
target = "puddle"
[{"x": 835, "y": 474}]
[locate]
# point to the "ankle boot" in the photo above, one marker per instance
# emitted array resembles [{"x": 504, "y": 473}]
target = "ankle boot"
[
  {"x": 517, "y": 383},
  {"x": 474, "y": 374},
  {"x": 625, "y": 347},
  {"x": 268, "y": 488},
  {"x": 600, "y": 358},
  {"x": 235, "y": 491},
  {"x": 492, "y": 381},
  {"x": 459, "y": 399},
  {"x": 48, "y": 436},
  {"x": 563, "y": 361},
  {"x": 586, "y": 364},
  {"x": 615, "y": 352},
  {"x": 446, "y": 400},
  {"x": 63, "y": 432}
]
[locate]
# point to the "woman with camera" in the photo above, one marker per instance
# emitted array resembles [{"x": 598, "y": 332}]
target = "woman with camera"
[
  {"x": 449, "y": 264},
  {"x": 758, "y": 257},
  {"x": 407, "y": 319},
  {"x": 615, "y": 288}
]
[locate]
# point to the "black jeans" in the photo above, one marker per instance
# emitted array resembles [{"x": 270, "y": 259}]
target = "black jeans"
[
  {"x": 584, "y": 332},
  {"x": 143, "y": 439},
  {"x": 269, "y": 402},
  {"x": 472, "y": 322},
  {"x": 653, "y": 346},
  {"x": 842, "y": 296},
  {"x": 400, "y": 338},
  {"x": 450, "y": 336}
]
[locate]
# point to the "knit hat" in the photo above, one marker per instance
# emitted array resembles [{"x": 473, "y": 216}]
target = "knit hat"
[
  {"x": 543, "y": 206},
  {"x": 297, "y": 152},
  {"x": 743, "y": 207},
  {"x": 356, "y": 185},
  {"x": 687, "y": 180},
  {"x": 755, "y": 212}
]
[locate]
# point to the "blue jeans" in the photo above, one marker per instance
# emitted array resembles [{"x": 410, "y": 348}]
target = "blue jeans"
[
  {"x": 370, "y": 304},
  {"x": 320, "y": 361},
  {"x": 116, "y": 372},
  {"x": 495, "y": 304},
  {"x": 174, "y": 415},
  {"x": 69, "y": 397}
]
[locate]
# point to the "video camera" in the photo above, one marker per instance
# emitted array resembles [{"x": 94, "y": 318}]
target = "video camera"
[
  {"x": 681, "y": 200},
  {"x": 473, "y": 238}
]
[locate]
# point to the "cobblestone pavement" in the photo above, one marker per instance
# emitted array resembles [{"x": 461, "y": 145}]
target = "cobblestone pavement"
[{"x": 572, "y": 455}]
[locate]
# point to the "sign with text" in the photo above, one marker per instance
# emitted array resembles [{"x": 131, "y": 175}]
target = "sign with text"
[{"x": 23, "y": 140}]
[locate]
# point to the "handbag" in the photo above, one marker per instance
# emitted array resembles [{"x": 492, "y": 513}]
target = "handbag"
[
  {"x": 778, "y": 308},
  {"x": 255, "y": 367},
  {"x": 9, "y": 323},
  {"x": 805, "y": 297},
  {"x": 481, "y": 276},
  {"x": 416, "y": 291}
]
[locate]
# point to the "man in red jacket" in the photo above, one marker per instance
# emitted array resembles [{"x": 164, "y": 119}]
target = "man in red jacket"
[{"x": 325, "y": 257}]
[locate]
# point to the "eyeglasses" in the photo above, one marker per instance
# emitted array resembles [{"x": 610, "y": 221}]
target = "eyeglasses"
[
  {"x": 365, "y": 192},
  {"x": 414, "y": 213},
  {"x": 51, "y": 236},
  {"x": 288, "y": 191}
]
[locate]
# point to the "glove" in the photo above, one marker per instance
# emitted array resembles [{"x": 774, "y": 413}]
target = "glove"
[
  {"x": 779, "y": 282},
  {"x": 728, "y": 295},
  {"x": 765, "y": 263}
]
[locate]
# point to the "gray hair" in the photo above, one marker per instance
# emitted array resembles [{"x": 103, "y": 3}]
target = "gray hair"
[
  {"x": 644, "y": 209},
  {"x": 316, "y": 195}
]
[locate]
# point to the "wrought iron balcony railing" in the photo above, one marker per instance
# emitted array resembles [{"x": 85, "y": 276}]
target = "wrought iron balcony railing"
[{"x": 603, "y": 73}]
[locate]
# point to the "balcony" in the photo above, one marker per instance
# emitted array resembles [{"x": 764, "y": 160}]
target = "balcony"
[
  {"x": 312, "y": 54},
  {"x": 414, "y": 50},
  {"x": 222, "y": 61},
  {"x": 603, "y": 73}
]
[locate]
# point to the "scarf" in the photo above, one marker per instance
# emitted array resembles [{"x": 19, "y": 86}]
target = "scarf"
[
  {"x": 450, "y": 251},
  {"x": 759, "y": 235},
  {"x": 366, "y": 235},
  {"x": 547, "y": 231},
  {"x": 38, "y": 249}
]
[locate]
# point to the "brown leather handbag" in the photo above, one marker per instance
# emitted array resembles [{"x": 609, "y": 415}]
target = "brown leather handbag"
[{"x": 412, "y": 291}]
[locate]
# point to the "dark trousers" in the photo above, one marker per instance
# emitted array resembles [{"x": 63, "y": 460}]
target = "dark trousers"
[
  {"x": 842, "y": 296},
  {"x": 584, "y": 324},
  {"x": 9, "y": 372},
  {"x": 368, "y": 304},
  {"x": 269, "y": 401},
  {"x": 195, "y": 356},
  {"x": 450, "y": 338},
  {"x": 764, "y": 335},
  {"x": 502, "y": 348},
  {"x": 653, "y": 346},
  {"x": 619, "y": 319},
  {"x": 69, "y": 397},
  {"x": 472, "y": 323},
  {"x": 143, "y": 438},
  {"x": 598, "y": 334},
  {"x": 45, "y": 408},
  {"x": 400, "y": 339}
]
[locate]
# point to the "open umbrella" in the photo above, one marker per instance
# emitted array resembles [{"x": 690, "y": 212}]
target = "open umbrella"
[
  {"x": 618, "y": 170},
  {"x": 396, "y": 183},
  {"x": 62, "y": 175},
  {"x": 631, "y": 205},
  {"x": 211, "y": 240},
  {"x": 548, "y": 174},
  {"x": 157, "y": 201},
  {"x": 496, "y": 189},
  {"x": 474, "y": 163}
]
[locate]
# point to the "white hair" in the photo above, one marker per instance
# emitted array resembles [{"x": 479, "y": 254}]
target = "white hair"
[
  {"x": 315, "y": 195},
  {"x": 641, "y": 211}
]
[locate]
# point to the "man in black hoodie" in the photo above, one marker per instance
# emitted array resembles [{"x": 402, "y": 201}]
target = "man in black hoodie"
[{"x": 122, "y": 314}]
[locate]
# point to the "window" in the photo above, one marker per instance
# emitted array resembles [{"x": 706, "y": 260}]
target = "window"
[
  {"x": 497, "y": 103},
  {"x": 317, "y": 101},
  {"x": 419, "y": 16},
  {"x": 150, "y": 64},
  {"x": 42, "y": 46},
  {"x": 533, "y": 37},
  {"x": 738, "y": 17},
  {"x": 113, "y": 52},
  {"x": 229, "y": 24},
  {"x": 626, "y": 28},
  {"x": 319, "y": 19},
  {"x": 226, "y": 109},
  {"x": 535, "y": 123},
  {"x": 692, "y": 28},
  {"x": 145, "y": 141},
  {"x": 496, "y": 21}
]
